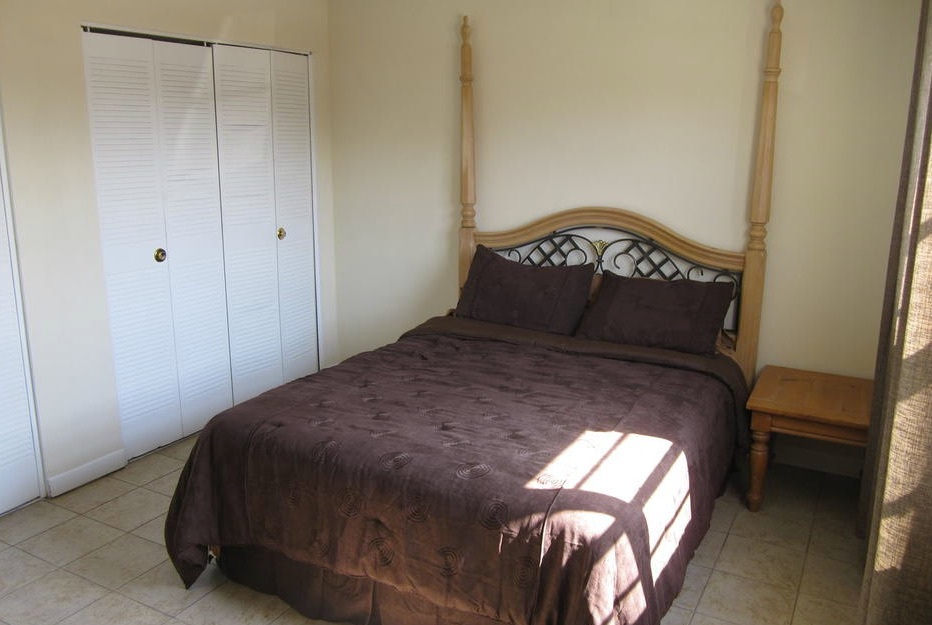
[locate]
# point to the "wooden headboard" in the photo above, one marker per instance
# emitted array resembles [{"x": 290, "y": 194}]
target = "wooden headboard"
[{"x": 746, "y": 267}]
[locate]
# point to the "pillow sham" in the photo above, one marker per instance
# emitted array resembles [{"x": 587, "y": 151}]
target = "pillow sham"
[
  {"x": 685, "y": 315},
  {"x": 551, "y": 299}
]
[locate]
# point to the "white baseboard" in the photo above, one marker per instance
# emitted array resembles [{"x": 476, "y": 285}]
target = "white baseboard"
[{"x": 88, "y": 472}]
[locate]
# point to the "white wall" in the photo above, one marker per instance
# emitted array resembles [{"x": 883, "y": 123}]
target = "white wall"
[
  {"x": 634, "y": 103},
  {"x": 51, "y": 178}
]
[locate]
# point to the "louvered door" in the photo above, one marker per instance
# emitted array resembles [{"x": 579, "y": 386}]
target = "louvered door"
[
  {"x": 294, "y": 213},
  {"x": 191, "y": 200},
  {"x": 120, "y": 75},
  {"x": 263, "y": 123},
  {"x": 18, "y": 458},
  {"x": 204, "y": 181},
  {"x": 152, "y": 130},
  {"x": 247, "y": 178}
]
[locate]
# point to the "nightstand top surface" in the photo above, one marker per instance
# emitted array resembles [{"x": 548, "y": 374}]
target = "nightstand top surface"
[{"x": 816, "y": 396}]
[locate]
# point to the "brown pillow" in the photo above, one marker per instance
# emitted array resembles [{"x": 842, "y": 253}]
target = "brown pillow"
[
  {"x": 684, "y": 315},
  {"x": 499, "y": 290}
]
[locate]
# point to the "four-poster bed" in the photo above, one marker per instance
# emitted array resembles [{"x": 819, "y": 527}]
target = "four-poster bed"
[
  {"x": 749, "y": 263},
  {"x": 535, "y": 457}
]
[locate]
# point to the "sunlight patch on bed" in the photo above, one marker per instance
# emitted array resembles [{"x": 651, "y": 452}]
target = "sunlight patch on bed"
[{"x": 637, "y": 469}]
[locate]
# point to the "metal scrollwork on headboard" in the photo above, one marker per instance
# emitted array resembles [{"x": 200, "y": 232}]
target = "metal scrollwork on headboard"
[{"x": 623, "y": 253}]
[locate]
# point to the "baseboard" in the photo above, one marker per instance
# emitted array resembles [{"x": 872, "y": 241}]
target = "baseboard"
[{"x": 88, "y": 472}]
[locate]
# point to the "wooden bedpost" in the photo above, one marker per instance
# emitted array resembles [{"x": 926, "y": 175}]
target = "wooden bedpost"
[
  {"x": 468, "y": 158},
  {"x": 752, "y": 293}
]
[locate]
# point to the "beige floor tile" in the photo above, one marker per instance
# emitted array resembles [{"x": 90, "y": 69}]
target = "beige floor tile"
[
  {"x": 675, "y": 616},
  {"x": 147, "y": 468},
  {"x": 165, "y": 484},
  {"x": 732, "y": 493},
  {"x": 232, "y": 604},
  {"x": 70, "y": 540},
  {"x": 118, "y": 562},
  {"x": 702, "y": 619},
  {"x": 840, "y": 490},
  {"x": 796, "y": 490},
  {"x": 724, "y": 515},
  {"x": 19, "y": 568},
  {"x": 154, "y": 530},
  {"x": 696, "y": 579},
  {"x": 745, "y": 601},
  {"x": 33, "y": 519},
  {"x": 161, "y": 588},
  {"x": 180, "y": 450},
  {"x": 91, "y": 495},
  {"x": 761, "y": 561},
  {"x": 115, "y": 609},
  {"x": 782, "y": 502},
  {"x": 819, "y": 611},
  {"x": 789, "y": 502},
  {"x": 765, "y": 526},
  {"x": 845, "y": 545},
  {"x": 129, "y": 511},
  {"x": 709, "y": 548},
  {"x": 825, "y": 577},
  {"x": 49, "y": 599},
  {"x": 836, "y": 518}
]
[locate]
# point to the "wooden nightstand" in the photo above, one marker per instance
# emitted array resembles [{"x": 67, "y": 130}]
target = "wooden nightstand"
[{"x": 804, "y": 403}]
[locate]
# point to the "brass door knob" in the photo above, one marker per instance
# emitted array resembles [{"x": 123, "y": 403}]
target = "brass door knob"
[
  {"x": 160, "y": 255},
  {"x": 282, "y": 234}
]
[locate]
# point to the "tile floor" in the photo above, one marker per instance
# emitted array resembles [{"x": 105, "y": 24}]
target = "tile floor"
[{"x": 96, "y": 556}]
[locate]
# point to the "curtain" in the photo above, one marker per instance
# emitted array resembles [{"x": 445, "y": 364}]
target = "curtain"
[{"x": 896, "y": 496}]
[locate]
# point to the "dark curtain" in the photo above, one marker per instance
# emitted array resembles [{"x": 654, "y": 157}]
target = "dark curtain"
[{"x": 896, "y": 496}]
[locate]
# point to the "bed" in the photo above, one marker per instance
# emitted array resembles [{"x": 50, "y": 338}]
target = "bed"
[{"x": 549, "y": 452}]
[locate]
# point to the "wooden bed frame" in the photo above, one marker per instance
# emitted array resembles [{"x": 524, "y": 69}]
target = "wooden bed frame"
[{"x": 748, "y": 265}]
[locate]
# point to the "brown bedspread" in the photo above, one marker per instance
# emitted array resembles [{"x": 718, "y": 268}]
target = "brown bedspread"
[{"x": 468, "y": 473}]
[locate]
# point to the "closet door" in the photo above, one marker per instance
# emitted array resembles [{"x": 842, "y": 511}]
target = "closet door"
[
  {"x": 152, "y": 131},
  {"x": 263, "y": 115},
  {"x": 191, "y": 199},
  {"x": 121, "y": 91},
  {"x": 294, "y": 198},
  {"x": 247, "y": 183},
  {"x": 18, "y": 458}
]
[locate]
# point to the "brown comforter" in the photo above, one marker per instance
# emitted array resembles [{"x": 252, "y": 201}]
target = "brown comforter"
[{"x": 468, "y": 473}]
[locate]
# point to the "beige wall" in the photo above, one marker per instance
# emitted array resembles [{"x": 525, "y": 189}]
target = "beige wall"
[
  {"x": 634, "y": 103},
  {"x": 51, "y": 179}
]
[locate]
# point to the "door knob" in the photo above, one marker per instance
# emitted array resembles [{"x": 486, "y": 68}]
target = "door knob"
[
  {"x": 282, "y": 234},
  {"x": 160, "y": 255}
]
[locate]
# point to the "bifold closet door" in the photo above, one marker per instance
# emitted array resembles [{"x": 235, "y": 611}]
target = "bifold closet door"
[
  {"x": 263, "y": 123},
  {"x": 18, "y": 459},
  {"x": 294, "y": 199},
  {"x": 247, "y": 179},
  {"x": 191, "y": 187},
  {"x": 153, "y": 137}
]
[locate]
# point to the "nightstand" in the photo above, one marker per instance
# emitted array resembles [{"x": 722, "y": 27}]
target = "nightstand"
[{"x": 804, "y": 403}]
